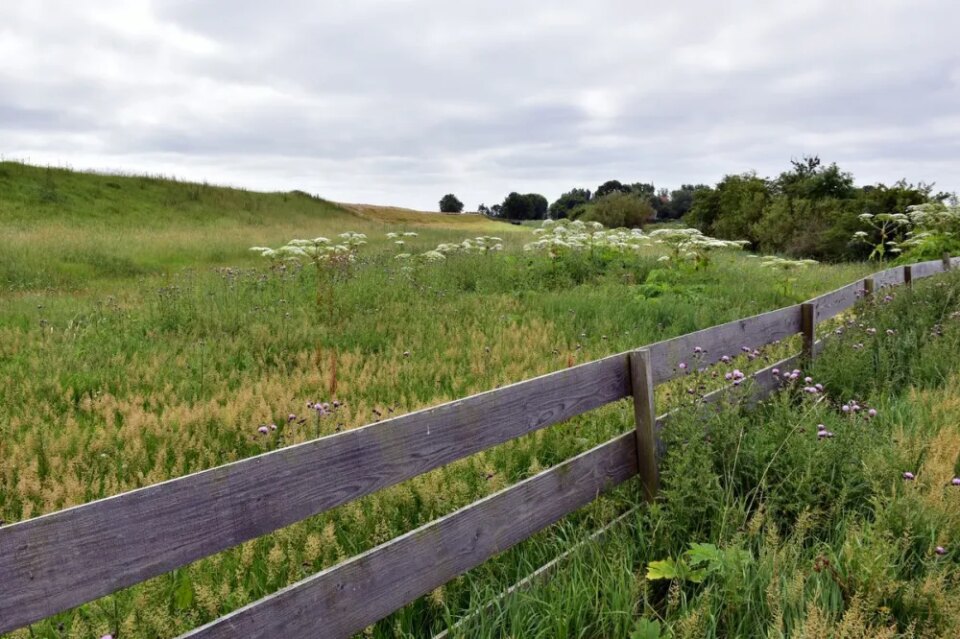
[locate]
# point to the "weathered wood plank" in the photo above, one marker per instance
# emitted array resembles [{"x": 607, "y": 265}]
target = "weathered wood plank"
[
  {"x": 725, "y": 339},
  {"x": 63, "y": 559},
  {"x": 641, "y": 380},
  {"x": 890, "y": 277},
  {"x": 926, "y": 269},
  {"x": 540, "y": 574},
  {"x": 837, "y": 301},
  {"x": 346, "y": 598}
]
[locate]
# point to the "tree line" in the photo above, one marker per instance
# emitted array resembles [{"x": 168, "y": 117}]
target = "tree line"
[{"x": 811, "y": 210}]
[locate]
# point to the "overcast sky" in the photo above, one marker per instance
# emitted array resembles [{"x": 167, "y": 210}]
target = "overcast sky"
[{"x": 399, "y": 102}]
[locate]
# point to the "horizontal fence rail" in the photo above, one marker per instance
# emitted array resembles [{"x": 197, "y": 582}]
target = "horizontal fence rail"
[{"x": 57, "y": 561}]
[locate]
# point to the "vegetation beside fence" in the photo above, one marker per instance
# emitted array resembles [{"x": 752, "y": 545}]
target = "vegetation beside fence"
[{"x": 64, "y": 559}]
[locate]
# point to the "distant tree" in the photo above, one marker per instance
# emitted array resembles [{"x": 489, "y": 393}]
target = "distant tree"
[
  {"x": 496, "y": 210},
  {"x": 681, "y": 200},
  {"x": 610, "y": 186},
  {"x": 450, "y": 204},
  {"x": 643, "y": 189},
  {"x": 569, "y": 202},
  {"x": 482, "y": 209},
  {"x": 619, "y": 209},
  {"x": 531, "y": 206}
]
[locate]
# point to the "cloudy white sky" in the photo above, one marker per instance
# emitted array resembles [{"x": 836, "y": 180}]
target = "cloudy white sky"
[{"x": 401, "y": 101}]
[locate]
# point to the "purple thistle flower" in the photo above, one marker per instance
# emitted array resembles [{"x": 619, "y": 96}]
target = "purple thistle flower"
[
  {"x": 725, "y": 359},
  {"x": 273, "y": 427},
  {"x": 291, "y": 417},
  {"x": 819, "y": 387},
  {"x": 775, "y": 371},
  {"x": 697, "y": 349},
  {"x": 955, "y": 481},
  {"x": 263, "y": 430},
  {"x": 807, "y": 380},
  {"x": 737, "y": 382},
  {"x": 336, "y": 403},
  {"x": 737, "y": 374},
  {"x": 940, "y": 550},
  {"x": 728, "y": 376},
  {"x": 745, "y": 349},
  {"x": 845, "y": 408},
  {"x": 796, "y": 372},
  {"x": 821, "y": 427},
  {"x": 872, "y": 412},
  {"x": 682, "y": 366},
  {"x": 909, "y": 476},
  {"x": 811, "y": 390}
]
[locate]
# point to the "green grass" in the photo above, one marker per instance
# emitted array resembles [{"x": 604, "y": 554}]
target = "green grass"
[{"x": 140, "y": 340}]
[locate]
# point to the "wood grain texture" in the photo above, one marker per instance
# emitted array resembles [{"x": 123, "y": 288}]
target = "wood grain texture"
[
  {"x": 346, "y": 598},
  {"x": 725, "y": 339},
  {"x": 61, "y": 560},
  {"x": 926, "y": 269},
  {"x": 890, "y": 277},
  {"x": 641, "y": 379},
  {"x": 835, "y": 302}
]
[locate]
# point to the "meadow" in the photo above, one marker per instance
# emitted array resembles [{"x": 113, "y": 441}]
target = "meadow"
[{"x": 141, "y": 339}]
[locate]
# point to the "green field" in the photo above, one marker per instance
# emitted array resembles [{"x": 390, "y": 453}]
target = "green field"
[{"x": 141, "y": 339}]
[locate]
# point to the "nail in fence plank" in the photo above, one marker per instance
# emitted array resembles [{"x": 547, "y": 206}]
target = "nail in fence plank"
[
  {"x": 809, "y": 316},
  {"x": 641, "y": 379},
  {"x": 57, "y": 561},
  {"x": 346, "y": 598}
]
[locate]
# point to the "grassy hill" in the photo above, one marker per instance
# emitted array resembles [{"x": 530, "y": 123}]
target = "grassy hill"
[{"x": 65, "y": 229}]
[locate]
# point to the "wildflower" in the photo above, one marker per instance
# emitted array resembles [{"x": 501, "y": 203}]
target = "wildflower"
[
  {"x": 273, "y": 427},
  {"x": 737, "y": 382},
  {"x": 406, "y": 353},
  {"x": 807, "y": 380},
  {"x": 291, "y": 417},
  {"x": 697, "y": 349},
  {"x": 819, "y": 387},
  {"x": 908, "y": 476},
  {"x": 728, "y": 376},
  {"x": 811, "y": 390},
  {"x": 821, "y": 427},
  {"x": 263, "y": 430},
  {"x": 955, "y": 481},
  {"x": 737, "y": 374},
  {"x": 872, "y": 412},
  {"x": 309, "y": 404},
  {"x": 336, "y": 403},
  {"x": 845, "y": 408},
  {"x": 940, "y": 550},
  {"x": 871, "y": 331},
  {"x": 726, "y": 360},
  {"x": 776, "y": 371},
  {"x": 745, "y": 349},
  {"x": 682, "y": 366},
  {"x": 890, "y": 331}
]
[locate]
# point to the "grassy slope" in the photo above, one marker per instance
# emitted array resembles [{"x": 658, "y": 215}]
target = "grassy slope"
[
  {"x": 65, "y": 229},
  {"x": 128, "y": 356}
]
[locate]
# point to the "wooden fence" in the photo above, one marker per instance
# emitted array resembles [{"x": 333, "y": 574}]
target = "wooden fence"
[{"x": 57, "y": 561}]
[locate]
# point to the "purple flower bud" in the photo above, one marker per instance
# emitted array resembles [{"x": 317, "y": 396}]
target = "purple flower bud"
[
  {"x": 822, "y": 434},
  {"x": 697, "y": 349},
  {"x": 819, "y": 387},
  {"x": 872, "y": 412},
  {"x": 682, "y": 366},
  {"x": 955, "y": 481},
  {"x": 796, "y": 372},
  {"x": 273, "y": 427},
  {"x": 811, "y": 390},
  {"x": 909, "y": 476},
  {"x": 745, "y": 349},
  {"x": 845, "y": 408},
  {"x": 737, "y": 382},
  {"x": 263, "y": 430},
  {"x": 725, "y": 359},
  {"x": 807, "y": 380},
  {"x": 291, "y": 417},
  {"x": 940, "y": 550},
  {"x": 775, "y": 371},
  {"x": 728, "y": 376},
  {"x": 821, "y": 427},
  {"x": 336, "y": 403},
  {"x": 793, "y": 377}
]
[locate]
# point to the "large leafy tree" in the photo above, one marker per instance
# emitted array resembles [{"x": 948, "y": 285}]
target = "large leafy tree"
[
  {"x": 569, "y": 203},
  {"x": 530, "y": 206},
  {"x": 450, "y": 204}
]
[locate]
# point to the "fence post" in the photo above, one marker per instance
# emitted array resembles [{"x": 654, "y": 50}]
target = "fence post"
[
  {"x": 868, "y": 287},
  {"x": 908, "y": 275},
  {"x": 946, "y": 261},
  {"x": 641, "y": 383},
  {"x": 808, "y": 320}
]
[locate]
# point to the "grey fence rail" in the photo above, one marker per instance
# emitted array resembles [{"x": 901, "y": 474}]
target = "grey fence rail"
[{"x": 64, "y": 559}]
